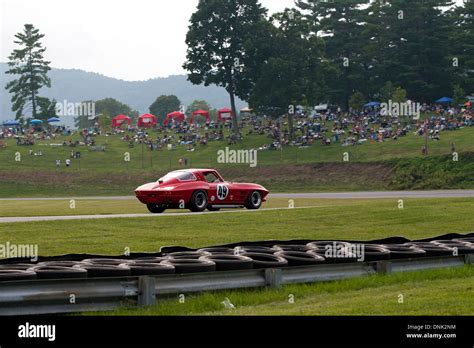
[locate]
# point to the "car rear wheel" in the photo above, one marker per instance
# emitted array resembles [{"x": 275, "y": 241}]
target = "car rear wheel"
[
  {"x": 156, "y": 208},
  {"x": 254, "y": 200},
  {"x": 198, "y": 202}
]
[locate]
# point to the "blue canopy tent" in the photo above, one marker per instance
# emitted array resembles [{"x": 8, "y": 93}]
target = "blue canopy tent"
[
  {"x": 35, "y": 121},
  {"x": 371, "y": 104},
  {"x": 10, "y": 123},
  {"x": 444, "y": 100},
  {"x": 53, "y": 120}
]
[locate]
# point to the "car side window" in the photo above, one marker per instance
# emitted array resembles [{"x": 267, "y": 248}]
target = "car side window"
[{"x": 211, "y": 178}]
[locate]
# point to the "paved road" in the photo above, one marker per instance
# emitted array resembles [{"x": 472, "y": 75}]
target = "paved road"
[{"x": 338, "y": 195}]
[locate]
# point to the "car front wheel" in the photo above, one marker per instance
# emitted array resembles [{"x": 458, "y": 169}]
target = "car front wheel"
[
  {"x": 155, "y": 208},
  {"x": 198, "y": 202},
  {"x": 254, "y": 200}
]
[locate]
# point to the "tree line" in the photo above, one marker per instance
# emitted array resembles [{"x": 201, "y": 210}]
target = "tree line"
[{"x": 332, "y": 51}]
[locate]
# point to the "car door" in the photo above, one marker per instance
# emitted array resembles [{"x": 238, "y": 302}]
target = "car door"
[{"x": 219, "y": 190}]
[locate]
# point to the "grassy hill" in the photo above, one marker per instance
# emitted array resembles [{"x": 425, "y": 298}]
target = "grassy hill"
[{"x": 371, "y": 166}]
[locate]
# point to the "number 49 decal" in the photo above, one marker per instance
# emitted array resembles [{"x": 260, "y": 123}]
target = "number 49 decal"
[{"x": 222, "y": 192}]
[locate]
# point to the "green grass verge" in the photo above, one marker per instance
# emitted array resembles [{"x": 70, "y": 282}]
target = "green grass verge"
[
  {"x": 354, "y": 220},
  {"x": 432, "y": 292}
]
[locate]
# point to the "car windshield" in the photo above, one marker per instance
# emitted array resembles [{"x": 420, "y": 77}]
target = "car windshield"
[{"x": 180, "y": 175}]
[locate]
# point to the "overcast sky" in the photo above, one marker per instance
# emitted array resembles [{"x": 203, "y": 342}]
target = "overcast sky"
[{"x": 126, "y": 39}]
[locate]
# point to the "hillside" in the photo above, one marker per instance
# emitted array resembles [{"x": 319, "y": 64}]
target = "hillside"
[{"x": 77, "y": 85}]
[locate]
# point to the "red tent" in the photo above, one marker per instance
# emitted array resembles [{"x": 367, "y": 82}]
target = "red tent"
[
  {"x": 224, "y": 114},
  {"x": 117, "y": 121},
  {"x": 202, "y": 113},
  {"x": 146, "y": 121},
  {"x": 174, "y": 116}
]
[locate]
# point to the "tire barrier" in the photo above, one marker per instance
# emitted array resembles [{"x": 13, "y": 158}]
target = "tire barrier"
[
  {"x": 404, "y": 251},
  {"x": 262, "y": 260},
  {"x": 214, "y": 251},
  {"x": 191, "y": 265},
  {"x": 16, "y": 274},
  {"x": 187, "y": 255},
  {"x": 105, "y": 271},
  {"x": 139, "y": 269},
  {"x": 300, "y": 258},
  {"x": 432, "y": 249},
  {"x": 58, "y": 272},
  {"x": 240, "y": 256},
  {"x": 229, "y": 262}
]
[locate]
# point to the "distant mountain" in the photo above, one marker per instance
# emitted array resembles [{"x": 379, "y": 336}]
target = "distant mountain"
[{"x": 76, "y": 85}]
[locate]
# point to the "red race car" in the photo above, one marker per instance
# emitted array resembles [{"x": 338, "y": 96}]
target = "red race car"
[{"x": 198, "y": 190}]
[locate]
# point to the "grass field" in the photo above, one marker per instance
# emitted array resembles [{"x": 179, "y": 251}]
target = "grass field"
[
  {"x": 451, "y": 290},
  {"x": 433, "y": 292},
  {"x": 10, "y": 208},
  {"x": 378, "y": 166},
  {"x": 354, "y": 219}
]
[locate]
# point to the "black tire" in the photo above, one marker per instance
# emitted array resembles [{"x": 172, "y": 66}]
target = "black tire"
[
  {"x": 432, "y": 249},
  {"x": 226, "y": 262},
  {"x": 198, "y": 202},
  {"x": 345, "y": 256},
  {"x": 464, "y": 240},
  {"x": 59, "y": 263},
  {"x": 149, "y": 259},
  {"x": 112, "y": 262},
  {"x": 240, "y": 250},
  {"x": 291, "y": 247},
  {"x": 261, "y": 260},
  {"x": 254, "y": 200},
  {"x": 156, "y": 208},
  {"x": 217, "y": 251},
  {"x": 321, "y": 245},
  {"x": 191, "y": 265},
  {"x": 140, "y": 269},
  {"x": 300, "y": 258},
  {"x": 16, "y": 274},
  {"x": 105, "y": 271},
  {"x": 373, "y": 252},
  {"x": 404, "y": 251},
  {"x": 211, "y": 208},
  {"x": 58, "y": 272},
  {"x": 187, "y": 255},
  {"x": 17, "y": 266}
]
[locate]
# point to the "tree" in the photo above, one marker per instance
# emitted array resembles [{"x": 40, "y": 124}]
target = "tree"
[
  {"x": 411, "y": 45},
  {"x": 386, "y": 92},
  {"x": 356, "y": 101},
  {"x": 109, "y": 108},
  {"x": 197, "y": 105},
  {"x": 399, "y": 95},
  {"x": 347, "y": 45},
  {"x": 165, "y": 104},
  {"x": 47, "y": 108},
  {"x": 459, "y": 96},
  {"x": 216, "y": 43},
  {"x": 293, "y": 74},
  {"x": 27, "y": 62},
  {"x": 463, "y": 42}
]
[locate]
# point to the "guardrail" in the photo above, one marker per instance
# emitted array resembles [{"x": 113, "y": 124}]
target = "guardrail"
[{"x": 81, "y": 295}]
